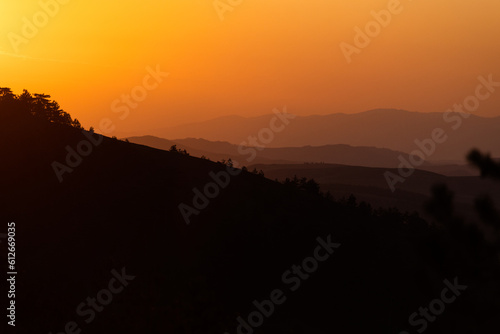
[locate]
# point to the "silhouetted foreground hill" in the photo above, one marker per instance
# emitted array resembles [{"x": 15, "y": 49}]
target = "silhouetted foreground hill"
[
  {"x": 116, "y": 215},
  {"x": 383, "y": 128}
]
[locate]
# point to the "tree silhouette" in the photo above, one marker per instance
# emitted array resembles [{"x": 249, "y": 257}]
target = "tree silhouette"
[
  {"x": 485, "y": 163},
  {"x": 484, "y": 205},
  {"x": 174, "y": 149},
  {"x": 37, "y": 105},
  {"x": 473, "y": 241},
  {"x": 6, "y": 94},
  {"x": 303, "y": 183}
]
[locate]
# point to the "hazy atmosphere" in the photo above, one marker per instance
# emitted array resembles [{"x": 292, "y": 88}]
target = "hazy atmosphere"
[
  {"x": 250, "y": 167},
  {"x": 262, "y": 55}
]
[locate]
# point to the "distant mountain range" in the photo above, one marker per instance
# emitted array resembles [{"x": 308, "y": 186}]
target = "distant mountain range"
[
  {"x": 396, "y": 130},
  {"x": 328, "y": 154},
  {"x": 338, "y": 154}
]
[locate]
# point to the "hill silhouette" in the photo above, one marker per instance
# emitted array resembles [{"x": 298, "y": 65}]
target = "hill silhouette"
[
  {"x": 339, "y": 154},
  {"x": 368, "y": 184},
  {"x": 119, "y": 208},
  {"x": 392, "y": 129}
]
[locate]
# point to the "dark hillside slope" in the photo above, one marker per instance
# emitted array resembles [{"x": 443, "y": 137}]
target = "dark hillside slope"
[
  {"x": 370, "y": 185},
  {"x": 119, "y": 209}
]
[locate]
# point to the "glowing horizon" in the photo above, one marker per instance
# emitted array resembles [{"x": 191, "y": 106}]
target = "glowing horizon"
[{"x": 86, "y": 55}]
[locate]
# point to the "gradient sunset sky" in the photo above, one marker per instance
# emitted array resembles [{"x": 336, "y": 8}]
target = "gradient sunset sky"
[{"x": 263, "y": 55}]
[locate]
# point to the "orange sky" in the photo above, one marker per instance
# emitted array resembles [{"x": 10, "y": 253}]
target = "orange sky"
[{"x": 264, "y": 54}]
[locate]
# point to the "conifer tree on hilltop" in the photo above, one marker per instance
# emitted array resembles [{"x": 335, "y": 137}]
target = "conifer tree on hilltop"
[{"x": 36, "y": 105}]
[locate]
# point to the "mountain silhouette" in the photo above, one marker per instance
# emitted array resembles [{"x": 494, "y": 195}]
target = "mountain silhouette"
[
  {"x": 117, "y": 211},
  {"x": 392, "y": 129},
  {"x": 337, "y": 154}
]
